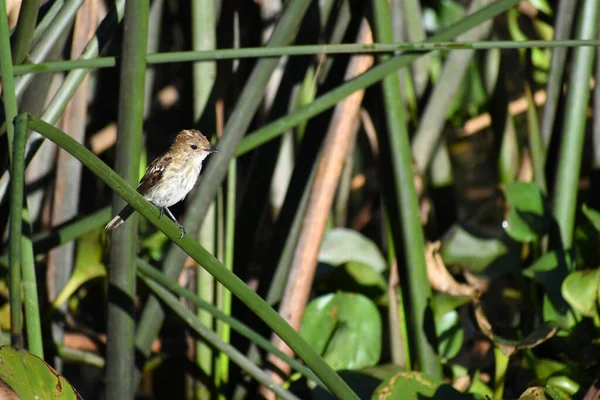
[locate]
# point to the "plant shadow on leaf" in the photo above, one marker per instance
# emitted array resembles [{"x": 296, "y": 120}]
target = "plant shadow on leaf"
[
  {"x": 345, "y": 328},
  {"x": 488, "y": 257},
  {"x": 416, "y": 385},
  {"x": 354, "y": 277},
  {"x": 363, "y": 385}
]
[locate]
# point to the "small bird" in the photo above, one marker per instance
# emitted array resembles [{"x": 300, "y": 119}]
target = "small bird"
[{"x": 170, "y": 177}]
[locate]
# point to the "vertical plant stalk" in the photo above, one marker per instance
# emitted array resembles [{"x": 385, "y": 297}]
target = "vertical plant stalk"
[
  {"x": 204, "y": 73},
  {"x": 335, "y": 147},
  {"x": 44, "y": 46},
  {"x": 17, "y": 190},
  {"x": 415, "y": 32},
  {"x": 434, "y": 117},
  {"x": 287, "y": 27},
  {"x": 536, "y": 145},
  {"x": 24, "y": 31},
  {"x": 399, "y": 343},
  {"x": 406, "y": 204},
  {"x": 223, "y": 295},
  {"x": 121, "y": 291},
  {"x": 68, "y": 170},
  {"x": 571, "y": 146},
  {"x": 10, "y": 110},
  {"x": 562, "y": 31}
]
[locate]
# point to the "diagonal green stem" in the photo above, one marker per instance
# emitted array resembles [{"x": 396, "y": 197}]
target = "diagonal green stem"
[
  {"x": 237, "y": 287},
  {"x": 150, "y": 272},
  {"x": 121, "y": 277},
  {"x": 194, "y": 322}
]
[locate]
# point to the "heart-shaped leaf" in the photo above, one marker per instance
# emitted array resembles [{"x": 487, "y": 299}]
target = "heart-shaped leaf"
[
  {"x": 341, "y": 246},
  {"x": 345, "y": 328},
  {"x": 581, "y": 289}
]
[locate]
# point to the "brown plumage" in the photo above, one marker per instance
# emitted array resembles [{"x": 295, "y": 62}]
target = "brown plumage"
[{"x": 170, "y": 177}]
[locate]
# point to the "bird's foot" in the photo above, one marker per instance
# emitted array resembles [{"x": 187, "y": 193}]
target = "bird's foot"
[{"x": 182, "y": 230}]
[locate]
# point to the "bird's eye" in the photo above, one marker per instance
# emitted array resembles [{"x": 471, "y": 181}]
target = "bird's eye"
[{"x": 194, "y": 147}]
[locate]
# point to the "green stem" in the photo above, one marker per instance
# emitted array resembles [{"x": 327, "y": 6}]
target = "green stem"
[
  {"x": 500, "y": 374},
  {"x": 150, "y": 272},
  {"x": 24, "y": 31},
  {"x": 194, "y": 322},
  {"x": 237, "y": 287},
  {"x": 224, "y": 295},
  {"x": 406, "y": 203},
  {"x": 279, "y": 51},
  {"x": 16, "y": 223},
  {"x": 121, "y": 279},
  {"x": 571, "y": 146}
]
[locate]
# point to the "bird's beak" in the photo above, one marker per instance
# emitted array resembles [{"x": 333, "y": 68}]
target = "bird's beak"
[{"x": 212, "y": 149}]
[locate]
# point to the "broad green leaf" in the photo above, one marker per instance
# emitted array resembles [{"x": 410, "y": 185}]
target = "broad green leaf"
[
  {"x": 444, "y": 303},
  {"x": 356, "y": 277},
  {"x": 88, "y": 266},
  {"x": 448, "y": 326},
  {"x": 415, "y": 385},
  {"x": 550, "y": 271},
  {"x": 581, "y": 289},
  {"x": 344, "y": 245},
  {"x": 477, "y": 255},
  {"x": 592, "y": 215},
  {"x": 345, "y": 328},
  {"x": 31, "y": 378},
  {"x": 525, "y": 219},
  {"x": 565, "y": 318},
  {"x": 561, "y": 387},
  {"x": 450, "y": 334}
]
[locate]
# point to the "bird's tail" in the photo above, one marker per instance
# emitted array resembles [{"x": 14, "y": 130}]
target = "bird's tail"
[{"x": 119, "y": 219}]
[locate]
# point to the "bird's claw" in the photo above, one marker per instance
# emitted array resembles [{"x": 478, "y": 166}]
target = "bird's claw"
[{"x": 182, "y": 231}]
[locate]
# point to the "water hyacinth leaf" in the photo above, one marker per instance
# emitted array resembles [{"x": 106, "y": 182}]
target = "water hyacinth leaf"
[
  {"x": 415, "y": 385},
  {"x": 592, "y": 215},
  {"x": 345, "y": 328},
  {"x": 445, "y": 303},
  {"x": 525, "y": 219},
  {"x": 357, "y": 277},
  {"x": 88, "y": 266},
  {"x": 581, "y": 289},
  {"x": 448, "y": 326},
  {"x": 341, "y": 245},
  {"x": 31, "y": 378},
  {"x": 475, "y": 254},
  {"x": 450, "y": 334}
]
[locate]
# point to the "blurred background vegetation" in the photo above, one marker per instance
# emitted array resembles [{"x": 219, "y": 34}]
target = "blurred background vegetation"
[{"x": 423, "y": 214}]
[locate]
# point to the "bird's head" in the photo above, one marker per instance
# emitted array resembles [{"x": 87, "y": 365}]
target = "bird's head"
[{"x": 192, "y": 143}]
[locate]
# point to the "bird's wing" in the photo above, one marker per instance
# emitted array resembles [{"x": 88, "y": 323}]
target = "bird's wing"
[{"x": 154, "y": 173}]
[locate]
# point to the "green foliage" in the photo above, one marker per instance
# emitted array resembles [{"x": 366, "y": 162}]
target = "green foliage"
[
  {"x": 340, "y": 246},
  {"x": 345, "y": 328},
  {"x": 509, "y": 307},
  {"x": 526, "y": 218},
  {"x": 415, "y": 385},
  {"x": 31, "y": 378}
]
